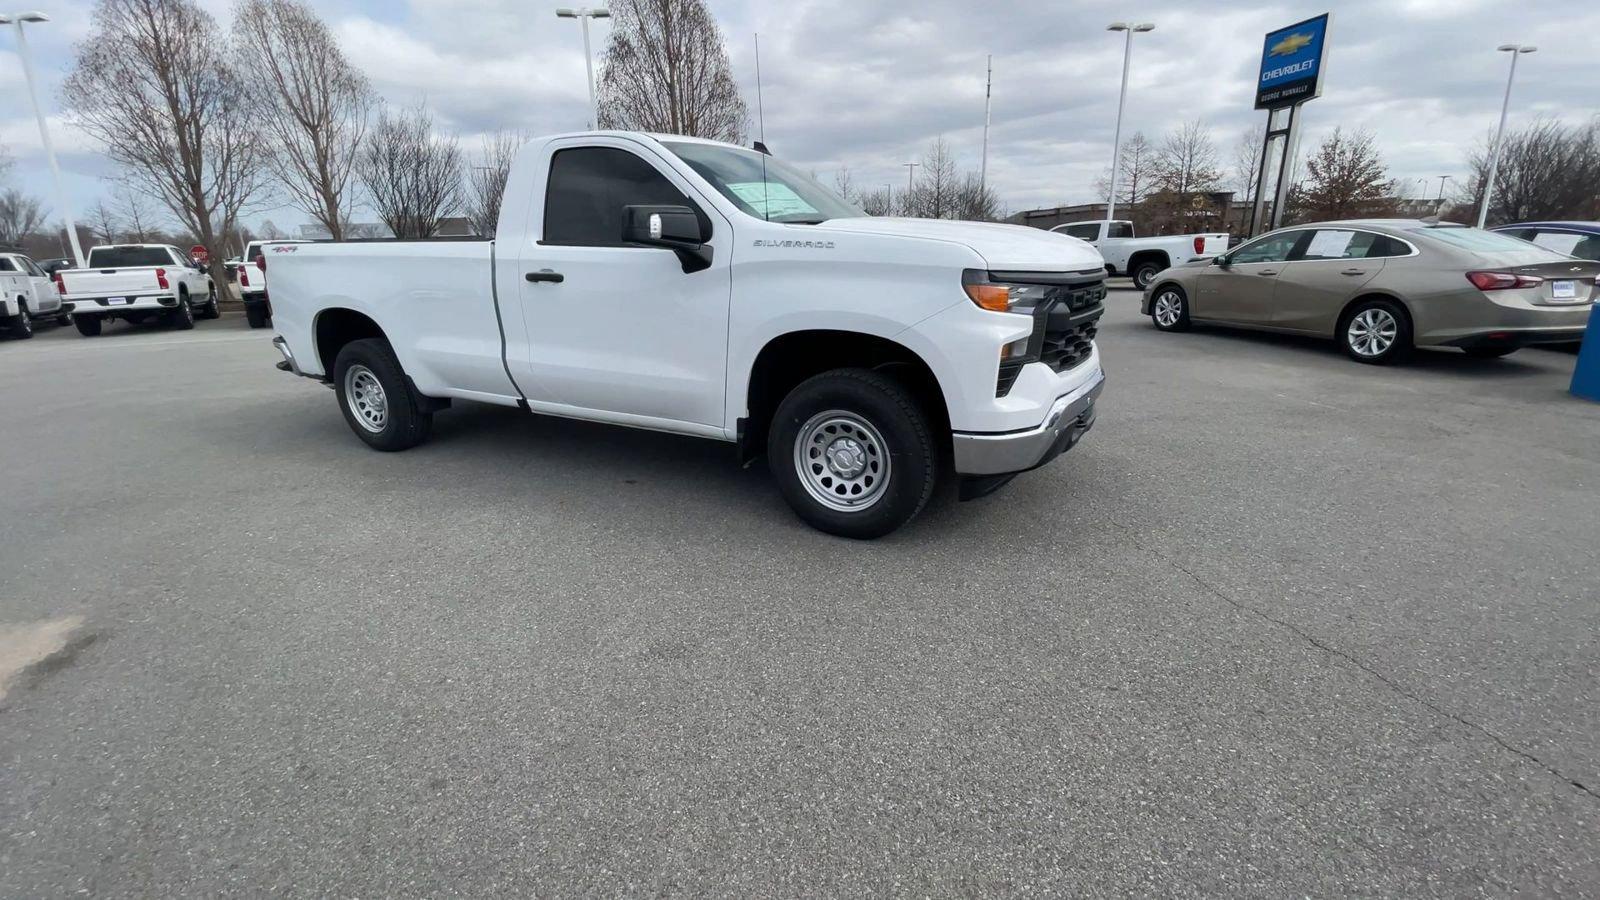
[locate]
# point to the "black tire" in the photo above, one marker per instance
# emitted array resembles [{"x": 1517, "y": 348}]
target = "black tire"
[
  {"x": 256, "y": 315},
  {"x": 88, "y": 326},
  {"x": 404, "y": 423},
  {"x": 182, "y": 318},
  {"x": 22, "y": 323},
  {"x": 1174, "y": 294},
  {"x": 1399, "y": 346},
  {"x": 1489, "y": 352},
  {"x": 895, "y": 418},
  {"x": 1146, "y": 272},
  {"x": 210, "y": 310},
  {"x": 63, "y": 320}
]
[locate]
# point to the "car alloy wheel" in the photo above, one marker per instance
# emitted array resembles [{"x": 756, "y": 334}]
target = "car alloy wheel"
[
  {"x": 1372, "y": 332},
  {"x": 1168, "y": 308},
  {"x": 842, "y": 460}
]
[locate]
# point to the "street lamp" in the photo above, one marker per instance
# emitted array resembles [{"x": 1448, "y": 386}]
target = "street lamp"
[
  {"x": 1122, "y": 101},
  {"x": 44, "y": 130},
  {"x": 584, "y": 14},
  {"x": 1515, "y": 50}
]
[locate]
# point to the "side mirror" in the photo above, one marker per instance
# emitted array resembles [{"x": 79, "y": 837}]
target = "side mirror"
[
  {"x": 1222, "y": 261},
  {"x": 675, "y": 228}
]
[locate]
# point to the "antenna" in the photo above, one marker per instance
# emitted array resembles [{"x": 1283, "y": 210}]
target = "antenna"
[{"x": 761, "y": 117}]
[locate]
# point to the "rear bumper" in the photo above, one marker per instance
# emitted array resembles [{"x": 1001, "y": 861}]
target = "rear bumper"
[
  {"x": 1518, "y": 337},
  {"x": 102, "y": 306},
  {"x": 1017, "y": 451},
  {"x": 288, "y": 364}
]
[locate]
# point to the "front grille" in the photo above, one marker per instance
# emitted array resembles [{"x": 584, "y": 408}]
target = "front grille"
[{"x": 1066, "y": 310}]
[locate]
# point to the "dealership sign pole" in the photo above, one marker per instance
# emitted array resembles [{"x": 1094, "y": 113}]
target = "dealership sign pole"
[{"x": 1292, "y": 62}]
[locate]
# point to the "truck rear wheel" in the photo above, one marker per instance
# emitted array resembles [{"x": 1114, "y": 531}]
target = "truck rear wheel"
[
  {"x": 256, "y": 314},
  {"x": 376, "y": 397},
  {"x": 88, "y": 326},
  {"x": 853, "y": 453},
  {"x": 182, "y": 318},
  {"x": 1146, "y": 272},
  {"x": 22, "y": 323}
]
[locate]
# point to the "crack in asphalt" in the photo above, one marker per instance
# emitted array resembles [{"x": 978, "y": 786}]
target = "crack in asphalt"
[{"x": 1331, "y": 650}]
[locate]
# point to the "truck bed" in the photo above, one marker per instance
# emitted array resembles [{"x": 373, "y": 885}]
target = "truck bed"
[{"x": 435, "y": 298}]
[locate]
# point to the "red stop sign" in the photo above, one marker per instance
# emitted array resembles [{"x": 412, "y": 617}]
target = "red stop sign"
[{"x": 198, "y": 251}]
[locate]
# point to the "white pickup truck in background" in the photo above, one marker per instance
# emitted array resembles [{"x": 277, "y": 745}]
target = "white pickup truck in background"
[
  {"x": 26, "y": 294},
  {"x": 1142, "y": 257},
  {"x": 137, "y": 282},
  {"x": 704, "y": 289},
  {"x": 252, "y": 275}
]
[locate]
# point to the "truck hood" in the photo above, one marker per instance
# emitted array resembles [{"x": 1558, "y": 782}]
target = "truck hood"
[{"x": 1004, "y": 247}]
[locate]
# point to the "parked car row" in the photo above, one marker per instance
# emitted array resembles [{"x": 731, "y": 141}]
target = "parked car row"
[
  {"x": 1142, "y": 258},
  {"x": 137, "y": 283},
  {"x": 1382, "y": 287},
  {"x": 26, "y": 293}
]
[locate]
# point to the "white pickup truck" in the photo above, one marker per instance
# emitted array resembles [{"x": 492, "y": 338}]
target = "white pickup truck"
[
  {"x": 253, "y": 282},
  {"x": 1142, "y": 257},
  {"x": 137, "y": 282},
  {"x": 26, "y": 293},
  {"x": 699, "y": 288}
]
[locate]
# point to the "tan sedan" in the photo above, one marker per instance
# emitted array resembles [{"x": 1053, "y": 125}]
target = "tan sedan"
[{"x": 1381, "y": 287}]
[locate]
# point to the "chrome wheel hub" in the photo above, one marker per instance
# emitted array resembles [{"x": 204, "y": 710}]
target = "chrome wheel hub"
[
  {"x": 364, "y": 394},
  {"x": 842, "y": 460},
  {"x": 1372, "y": 332},
  {"x": 1168, "y": 308}
]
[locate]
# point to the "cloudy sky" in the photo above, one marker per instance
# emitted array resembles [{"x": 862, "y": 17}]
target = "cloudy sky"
[{"x": 867, "y": 84}]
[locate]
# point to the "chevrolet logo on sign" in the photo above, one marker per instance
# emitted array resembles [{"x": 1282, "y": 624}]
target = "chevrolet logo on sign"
[{"x": 1290, "y": 44}]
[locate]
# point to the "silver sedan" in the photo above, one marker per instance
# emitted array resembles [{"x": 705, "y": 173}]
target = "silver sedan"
[{"x": 1384, "y": 286}]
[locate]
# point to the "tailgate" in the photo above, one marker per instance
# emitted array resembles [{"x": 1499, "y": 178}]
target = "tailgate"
[
  {"x": 110, "y": 282},
  {"x": 1213, "y": 244}
]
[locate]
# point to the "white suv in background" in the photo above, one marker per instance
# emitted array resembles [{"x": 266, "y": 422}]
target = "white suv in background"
[{"x": 26, "y": 293}]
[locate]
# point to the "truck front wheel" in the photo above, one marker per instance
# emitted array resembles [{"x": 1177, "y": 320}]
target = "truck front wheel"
[
  {"x": 376, "y": 397},
  {"x": 853, "y": 453}
]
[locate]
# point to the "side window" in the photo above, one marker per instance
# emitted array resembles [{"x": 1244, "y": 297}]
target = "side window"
[
  {"x": 1387, "y": 246},
  {"x": 1588, "y": 248},
  {"x": 1086, "y": 231},
  {"x": 178, "y": 258},
  {"x": 1559, "y": 241},
  {"x": 1272, "y": 248},
  {"x": 6, "y": 265},
  {"x": 1120, "y": 230},
  {"x": 588, "y": 188},
  {"x": 30, "y": 266},
  {"x": 1339, "y": 243}
]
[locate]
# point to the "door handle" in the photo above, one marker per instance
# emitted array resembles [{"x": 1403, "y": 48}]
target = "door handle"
[
  {"x": 546, "y": 275},
  {"x": 1267, "y": 272},
  {"x": 1353, "y": 272}
]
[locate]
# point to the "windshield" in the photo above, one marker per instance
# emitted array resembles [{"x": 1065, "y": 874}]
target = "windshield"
[
  {"x": 1485, "y": 242},
  {"x": 764, "y": 187},
  {"x": 128, "y": 257}
]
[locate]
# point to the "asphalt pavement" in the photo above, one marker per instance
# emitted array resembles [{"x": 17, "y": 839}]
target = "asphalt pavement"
[{"x": 1281, "y": 625}]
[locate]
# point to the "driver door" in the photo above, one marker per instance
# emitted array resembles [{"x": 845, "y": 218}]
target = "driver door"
[
  {"x": 1242, "y": 292},
  {"x": 621, "y": 332}
]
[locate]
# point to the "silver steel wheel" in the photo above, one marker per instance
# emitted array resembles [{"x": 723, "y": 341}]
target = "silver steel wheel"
[
  {"x": 1168, "y": 308},
  {"x": 842, "y": 460},
  {"x": 1372, "y": 332},
  {"x": 364, "y": 394}
]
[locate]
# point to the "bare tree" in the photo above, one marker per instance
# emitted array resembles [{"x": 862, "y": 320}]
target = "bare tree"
[
  {"x": 486, "y": 183},
  {"x": 1185, "y": 172},
  {"x": 413, "y": 177},
  {"x": 1345, "y": 179},
  {"x": 844, "y": 184},
  {"x": 102, "y": 222},
  {"x": 137, "y": 218},
  {"x": 666, "y": 70},
  {"x": 312, "y": 104},
  {"x": 1247, "y": 160},
  {"x": 876, "y": 203},
  {"x": 20, "y": 216},
  {"x": 270, "y": 231},
  {"x": 936, "y": 192},
  {"x": 1548, "y": 170},
  {"x": 150, "y": 86},
  {"x": 1136, "y": 168},
  {"x": 977, "y": 202}
]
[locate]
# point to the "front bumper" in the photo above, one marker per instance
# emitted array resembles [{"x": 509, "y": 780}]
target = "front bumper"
[
  {"x": 1017, "y": 451},
  {"x": 102, "y": 306}
]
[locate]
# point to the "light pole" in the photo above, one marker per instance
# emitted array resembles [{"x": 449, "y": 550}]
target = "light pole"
[
  {"x": 1515, "y": 50},
  {"x": 911, "y": 170},
  {"x": 1122, "y": 101},
  {"x": 988, "y": 86},
  {"x": 584, "y": 14},
  {"x": 44, "y": 130}
]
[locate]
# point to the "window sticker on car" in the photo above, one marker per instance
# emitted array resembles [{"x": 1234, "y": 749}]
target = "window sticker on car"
[
  {"x": 1327, "y": 244},
  {"x": 770, "y": 199}
]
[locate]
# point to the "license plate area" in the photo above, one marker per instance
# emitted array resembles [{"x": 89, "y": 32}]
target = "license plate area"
[
  {"x": 116, "y": 301},
  {"x": 1564, "y": 290}
]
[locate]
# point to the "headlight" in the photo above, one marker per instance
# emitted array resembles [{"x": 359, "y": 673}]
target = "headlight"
[{"x": 985, "y": 293}]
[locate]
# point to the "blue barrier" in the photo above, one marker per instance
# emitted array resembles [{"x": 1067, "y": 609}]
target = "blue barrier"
[{"x": 1586, "y": 377}]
